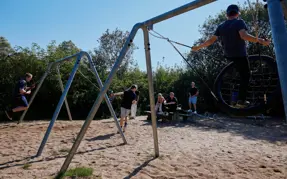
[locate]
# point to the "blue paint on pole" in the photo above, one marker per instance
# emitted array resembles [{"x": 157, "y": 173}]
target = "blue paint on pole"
[
  {"x": 60, "y": 104},
  {"x": 279, "y": 35}
]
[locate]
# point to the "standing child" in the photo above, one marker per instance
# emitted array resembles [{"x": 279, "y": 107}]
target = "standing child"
[
  {"x": 233, "y": 34},
  {"x": 193, "y": 93},
  {"x": 129, "y": 98}
]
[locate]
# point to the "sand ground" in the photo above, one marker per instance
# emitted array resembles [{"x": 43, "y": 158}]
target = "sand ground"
[{"x": 204, "y": 149}]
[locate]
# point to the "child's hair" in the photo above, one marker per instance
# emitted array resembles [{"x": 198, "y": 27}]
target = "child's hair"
[
  {"x": 232, "y": 13},
  {"x": 28, "y": 75},
  {"x": 133, "y": 86}
]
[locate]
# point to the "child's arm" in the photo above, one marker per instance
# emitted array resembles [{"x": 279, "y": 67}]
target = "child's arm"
[{"x": 118, "y": 93}]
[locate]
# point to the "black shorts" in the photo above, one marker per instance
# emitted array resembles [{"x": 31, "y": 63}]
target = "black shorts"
[{"x": 20, "y": 101}]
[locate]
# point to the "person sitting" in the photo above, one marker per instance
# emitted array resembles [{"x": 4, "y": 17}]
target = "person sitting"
[
  {"x": 159, "y": 106},
  {"x": 20, "y": 102},
  {"x": 171, "y": 103}
]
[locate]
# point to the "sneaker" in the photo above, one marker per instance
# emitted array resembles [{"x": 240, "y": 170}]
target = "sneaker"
[
  {"x": 125, "y": 127},
  {"x": 233, "y": 103},
  {"x": 195, "y": 112},
  {"x": 242, "y": 104},
  {"x": 189, "y": 110},
  {"x": 9, "y": 113}
]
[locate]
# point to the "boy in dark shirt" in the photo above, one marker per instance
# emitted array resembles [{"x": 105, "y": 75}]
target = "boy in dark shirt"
[
  {"x": 20, "y": 102},
  {"x": 171, "y": 102},
  {"x": 129, "y": 98},
  {"x": 193, "y": 93},
  {"x": 233, "y": 34}
]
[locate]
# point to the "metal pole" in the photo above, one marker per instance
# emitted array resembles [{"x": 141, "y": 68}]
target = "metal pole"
[
  {"x": 99, "y": 99},
  {"x": 279, "y": 35},
  {"x": 60, "y": 104},
  {"x": 68, "y": 57},
  {"x": 36, "y": 91},
  {"x": 106, "y": 98},
  {"x": 180, "y": 10},
  {"x": 151, "y": 89},
  {"x": 62, "y": 89}
]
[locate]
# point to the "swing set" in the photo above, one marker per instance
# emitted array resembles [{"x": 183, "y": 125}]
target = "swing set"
[
  {"x": 259, "y": 64},
  {"x": 280, "y": 39}
]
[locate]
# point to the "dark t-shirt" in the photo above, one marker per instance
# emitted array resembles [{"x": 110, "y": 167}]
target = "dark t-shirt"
[
  {"x": 21, "y": 84},
  {"x": 128, "y": 97},
  {"x": 193, "y": 91},
  {"x": 172, "y": 106},
  {"x": 228, "y": 32},
  {"x": 111, "y": 98}
]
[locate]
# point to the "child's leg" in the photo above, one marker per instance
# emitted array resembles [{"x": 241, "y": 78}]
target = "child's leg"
[
  {"x": 126, "y": 121},
  {"x": 189, "y": 103},
  {"x": 123, "y": 113},
  {"x": 133, "y": 111},
  {"x": 194, "y": 100},
  {"x": 19, "y": 108},
  {"x": 22, "y": 105}
]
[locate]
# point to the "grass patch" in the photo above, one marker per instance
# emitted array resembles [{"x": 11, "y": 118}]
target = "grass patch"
[
  {"x": 54, "y": 153},
  {"x": 26, "y": 166},
  {"x": 64, "y": 150},
  {"x": 76, "y": 172}
]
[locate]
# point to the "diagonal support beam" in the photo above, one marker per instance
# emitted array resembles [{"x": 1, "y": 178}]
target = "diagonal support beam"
[
  {"x": 106, "y": 98},
  {"x": 62, "y": 89},
  {"x": 60, "y": 103}
]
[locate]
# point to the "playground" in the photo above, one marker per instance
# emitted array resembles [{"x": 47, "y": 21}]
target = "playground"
[
  {"x": 236, "y": 133},
  {"x": 230, "y": 150}
]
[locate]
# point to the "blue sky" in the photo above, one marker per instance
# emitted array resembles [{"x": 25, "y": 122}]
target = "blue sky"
[{"x": 83, "y": 22}]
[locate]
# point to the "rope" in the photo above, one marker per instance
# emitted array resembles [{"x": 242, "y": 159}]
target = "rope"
[
  {"x": 171, "y": 43},
  {"x": 88, "y": 79},
  {"x": 255, "y": 16},
  {"x": 256, "y": 28},
  {"x": 81, "y": 73}
]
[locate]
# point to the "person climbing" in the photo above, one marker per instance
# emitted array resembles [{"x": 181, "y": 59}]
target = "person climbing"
[
  {"x": 233, "y": 34},
  {"x": 193, "y": 93},
  {"x": 20, "y": 102},
  {"x": 129, "y": 98}
]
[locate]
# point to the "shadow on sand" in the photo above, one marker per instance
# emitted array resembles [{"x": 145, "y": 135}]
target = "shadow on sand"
[{"x": 271, "y": 130}]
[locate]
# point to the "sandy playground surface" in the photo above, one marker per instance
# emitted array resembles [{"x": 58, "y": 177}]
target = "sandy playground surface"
[{"x": 204, "y": 149}]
